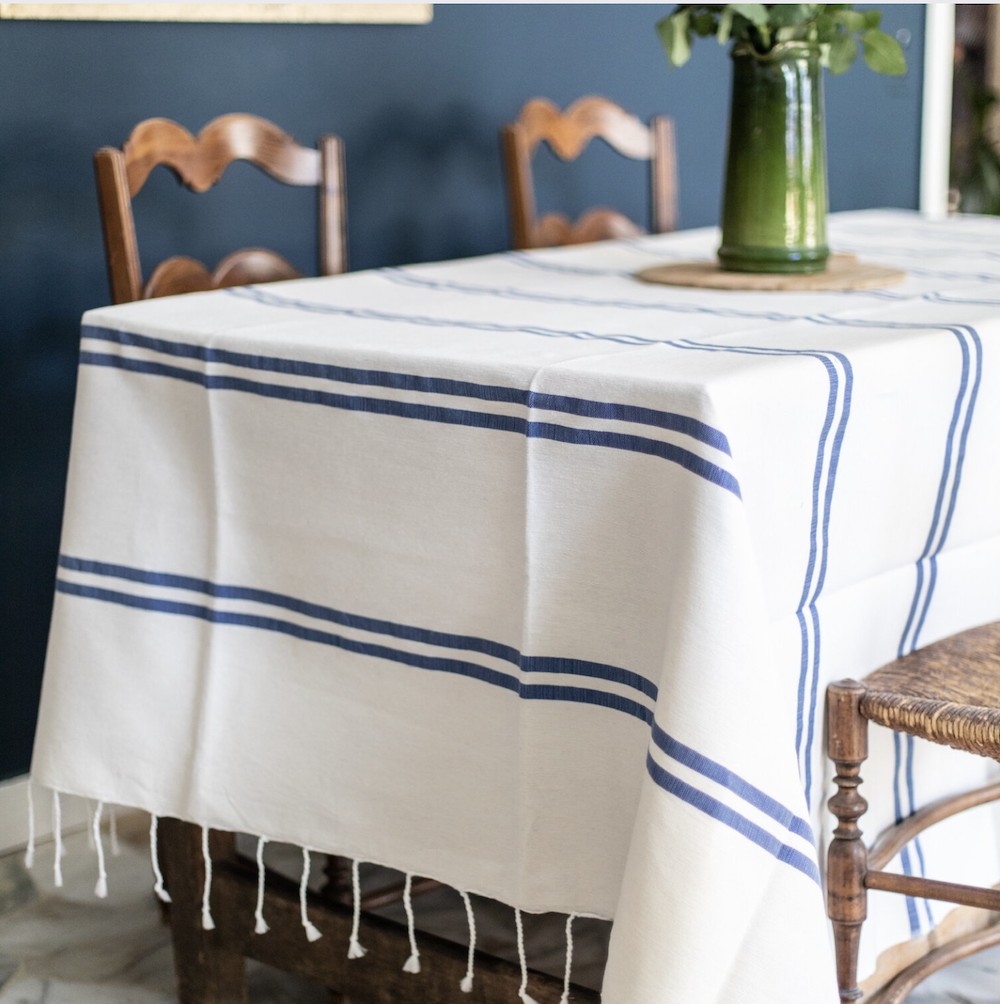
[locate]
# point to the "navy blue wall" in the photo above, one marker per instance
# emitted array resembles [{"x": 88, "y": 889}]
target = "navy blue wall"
[{"x": 418, "y": 108}]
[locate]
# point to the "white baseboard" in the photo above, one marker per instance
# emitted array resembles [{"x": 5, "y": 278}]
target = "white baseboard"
[{"x": 14, "y": 814}]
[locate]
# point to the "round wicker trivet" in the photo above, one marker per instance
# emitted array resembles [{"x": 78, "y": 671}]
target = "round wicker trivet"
[{"x": 843, "y": 271}]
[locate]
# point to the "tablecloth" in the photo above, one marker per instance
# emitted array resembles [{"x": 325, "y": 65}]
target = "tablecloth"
[{"x": 522, "y": 574}]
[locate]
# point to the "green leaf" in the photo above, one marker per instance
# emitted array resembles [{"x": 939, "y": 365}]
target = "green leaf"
[
  {"x": 873, "y": 18},
  {"x": 725, "y": 25},
  {"x": 883, "y": 53},
  {"x": 755, "y": 12},
  {"x": 826, "y": 28},
  {"x": 675, "y": 35},
  {"x": 786, "y": 15},
  {"x": 841, "y": 53},
  {"x": 852, "y": 20},
  {"x": 703, "y": 24}
]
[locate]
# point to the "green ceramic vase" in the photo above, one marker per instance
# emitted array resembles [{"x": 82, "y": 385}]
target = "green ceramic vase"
[{"x": 774, "y": 204}]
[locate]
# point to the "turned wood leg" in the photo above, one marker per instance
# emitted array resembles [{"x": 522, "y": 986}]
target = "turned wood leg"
[
  {"x": 208, "y": 971},
  {"x": 847, "y": 860}
]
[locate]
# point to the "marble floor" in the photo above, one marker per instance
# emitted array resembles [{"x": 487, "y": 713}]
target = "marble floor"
[{"x": 64, "y": 946}]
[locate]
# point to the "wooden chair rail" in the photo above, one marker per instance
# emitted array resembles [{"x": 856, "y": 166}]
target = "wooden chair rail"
[
  {"x": 199, "y": 161},
  {"x": 925, "y": 888},
  {"x": 893, "y": 839},
  {"x": 901, "y": 985},
  {"x": 569, "y": 132},
  {"x": 210, "y": 964}
]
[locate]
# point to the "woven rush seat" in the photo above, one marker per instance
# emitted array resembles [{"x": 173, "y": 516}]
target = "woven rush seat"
[{"x": 948, "y": 692}]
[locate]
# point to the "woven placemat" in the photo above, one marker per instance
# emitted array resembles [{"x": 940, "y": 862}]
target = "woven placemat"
[{"x": 843, "y": 271}]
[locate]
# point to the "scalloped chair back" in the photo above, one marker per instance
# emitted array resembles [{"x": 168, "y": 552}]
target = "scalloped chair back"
[
  {"x": 567, "y": 134},
  {"x": 199, "y": 162}
]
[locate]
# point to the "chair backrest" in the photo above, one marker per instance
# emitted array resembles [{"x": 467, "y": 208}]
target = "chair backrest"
[
  {"x": 199, "y": 162},
  {"x": 568, "y": 133}
]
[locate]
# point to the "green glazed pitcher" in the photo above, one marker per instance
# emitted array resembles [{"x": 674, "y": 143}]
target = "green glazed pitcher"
[{"x": 775, "y": 199}]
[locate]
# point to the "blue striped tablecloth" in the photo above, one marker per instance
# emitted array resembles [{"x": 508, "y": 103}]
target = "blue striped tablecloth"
[{"x": 522, "y": 574}]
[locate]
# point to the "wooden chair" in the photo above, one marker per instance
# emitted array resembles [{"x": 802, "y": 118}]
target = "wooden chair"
[
  {"x": 199, "y": 162},
  {"x": 568, "y": 133},
  {"x": 948, "y": 693}
]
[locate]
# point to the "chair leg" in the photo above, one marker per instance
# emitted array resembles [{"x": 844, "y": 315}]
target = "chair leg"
[
  {"x": 208, "y": 971},
  {"x": 337, "y": 888},
  {"x": 847, "y": 860}
]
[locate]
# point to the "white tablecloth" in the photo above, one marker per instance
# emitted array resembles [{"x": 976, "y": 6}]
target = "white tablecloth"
[{"x": 522, "y": 574}]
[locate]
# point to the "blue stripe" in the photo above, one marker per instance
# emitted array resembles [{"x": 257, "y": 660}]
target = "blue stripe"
[
  {"x": 529, "y": 664},
  {"x": 458, "y": 667},
  {"x": 743, "y": 826},
  {"x": 809, "y": 679},
  {"x": 944, "y": 298},
  {"x": 676, "y": 750},
  {"x": 951, "y": 473},
  {"x": 807, "y": 614},
  {"x": 269, "y": 299},
  {"x": 583, "y": 407},
  {"x": 826, "y": 464},
  {"x": 959, "y": 464},
  {"x": 527, "y": 691},
  {"x": 905, "y": 644},
  {"x": 432, "y": 413},
  {"x": 511, "y": 293}
]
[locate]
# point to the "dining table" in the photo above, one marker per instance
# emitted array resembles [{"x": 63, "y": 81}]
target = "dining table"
[{"x": 523, "y": 574}]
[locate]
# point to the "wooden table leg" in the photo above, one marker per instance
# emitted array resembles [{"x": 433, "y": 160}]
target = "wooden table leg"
[{"x": 208, "y": 972}]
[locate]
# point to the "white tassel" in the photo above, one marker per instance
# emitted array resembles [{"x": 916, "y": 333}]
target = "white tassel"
[
  {"x": 466, "y": 984},
  {"x": 91, "y": 846},
  {"x": 313, "y": 933},
  {"x": 161, "y": 894},
  {"x": 523, "y": 989},
  {"x": 412, "y": 964},
  {"x": 207, "y": 922},
  {"x": 101, "y": 889},
  {"x": 260, "y": 925},
  {"x": 57, "y": 875},
  {"x": 355, "y": 950},
  {"x": 116, "y": 849},
  {"x": 569, "y": 959},
  {"x": 29, "y": 852}
]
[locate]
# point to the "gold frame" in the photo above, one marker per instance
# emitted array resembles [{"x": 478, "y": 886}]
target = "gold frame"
[{"x": 315, "y": 13}]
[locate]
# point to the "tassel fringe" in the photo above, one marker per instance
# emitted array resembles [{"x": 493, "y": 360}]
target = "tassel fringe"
[
  {"x": 523, "y": 989},
  {"x": 161, "y": 894},
  {"x": 569, "y": 959},
  {"x": 260, "y": 925},
  {"x": 412, "y": 964},
  {"x": 57, "y": 875},
  {"x": 101, "y": 889},
  {"x": 355, "y": 950},
  {"x": 313, "y": 933},
  {"x": 207, "y": 922},
  {"x": 466, "y": 984}
]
